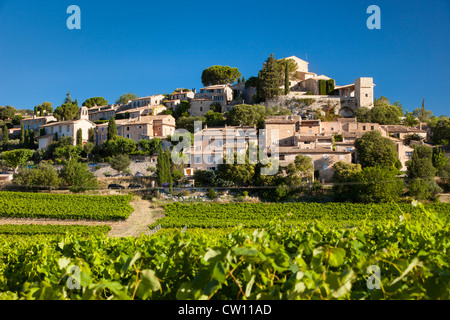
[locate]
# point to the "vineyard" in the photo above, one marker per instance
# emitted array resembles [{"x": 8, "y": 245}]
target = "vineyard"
[
  {"x": 62, "y": 206},
  {"x": 33, "y": 229},
  {"x": 307, "y": 261},
  {"x": 257, "y": 215}
]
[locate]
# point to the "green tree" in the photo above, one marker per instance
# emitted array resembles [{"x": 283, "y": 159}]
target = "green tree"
[
  {"x": 112, "y": 129},
  {"x": 410, "y": 120},
  {"x": 151, "y": 146},
  {"x": 374, "y": 150},
  {"x": 79, "y": 137},
  {"x": 123, "y": 99},
  {"x": 247, "y": 115},
  {"x": 423, "y": 114},
  {"x": 119, "y": 145},
  {"x": 78, "y": 176},
  {"x": 22, "y": 134},
  {"x": 439, "y": 159},
  {"x": 421, "y": 163},
  {"x": 344, "y": 178},
  {"x": 68, "y": 152},
  {"x": 67, "y": 111},
  {"x": 301, "y": 168},
  {"x": 163, "y": 167},
  {"x": 286, "y": 79},
  {"x": 44, "y": 175},
  {"x": 18, "y": 157},
  {"x": 7, "y": 112},
  {"x": 440, "y": 130},
  {"x": 95, "y": 101},
  {"x": 215, "y": 75},
  {"x": 91, "y": 135},
  {"x": 5, "y": 137},
  {"x": 120, "y": 162},
  {"x": 214, "y": 119},
  {"x": 187, "y": 122},
  {"x": 270, "y": 79},
  {"x": 239, "y": 174},
  {"x": 378, "y": 184}
]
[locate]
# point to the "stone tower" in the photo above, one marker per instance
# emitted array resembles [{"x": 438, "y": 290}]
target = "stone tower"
[
  {"x": 364, "y": 92},
  {"x": 84, "y": 113}
]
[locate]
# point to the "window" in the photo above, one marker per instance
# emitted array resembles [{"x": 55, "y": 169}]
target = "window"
[
  {"x": 197, "y": 159},
  {"x": 349, "y": 149},
  {"x": 324, "y": 167},
  {"x": 201, "y": 109},
  {"x": 341, "y": 157},
  {"x": 282, "y": 157},
  {"x": 139, "y": 127},
  {"x": 310, "y": 131},
  {"x": 408, "y": 154},
  {"x": 128, "y": 128},
  {"x": 324, "y": 156},
  {"x": 367, "y": 95},
  {"x": 159, "y": 129},
  {"x": 372, "y": 127},
  {"x": 307, "y": 142},
  {"x": 364, "y": 128}
]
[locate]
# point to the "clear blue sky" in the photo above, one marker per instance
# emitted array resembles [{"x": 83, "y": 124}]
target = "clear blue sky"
[{"x": 150, "y": 47}]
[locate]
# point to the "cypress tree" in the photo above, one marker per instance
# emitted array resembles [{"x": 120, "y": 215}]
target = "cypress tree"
[
  {"x": 243, "y": 79},
  {"x": 112, "y": 128},
  {"x": 26, "y": 139},
  {"x": 35, "y": 110},
  {"x": 91, "y": 135},
  {"x": 5, "y": 137},
  {"x": 239, "y": 80},
  {"x": 22, "y": 134},
  {"x": 160, "y": 166},
  {"x": 79, "y": 137},
  {"x": 56, "y": 136},
  {"x": 31, "y": 137},
  {"x": 330, "y": 86},
  {"x": 286, "y": 78},
  {"x": 322, "y": 87}
]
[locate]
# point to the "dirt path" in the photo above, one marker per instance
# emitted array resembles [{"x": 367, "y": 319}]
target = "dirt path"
[{"x": 136, "y": 224}]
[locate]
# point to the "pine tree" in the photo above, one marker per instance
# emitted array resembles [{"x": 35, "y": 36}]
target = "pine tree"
[
  {"x": 286, "y": 78},
  {"x": 112, "y": 129},
  {"x": 79, "y": 137}
]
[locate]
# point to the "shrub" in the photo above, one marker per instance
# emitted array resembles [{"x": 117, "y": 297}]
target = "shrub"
[{"x": 212, "y": 194}]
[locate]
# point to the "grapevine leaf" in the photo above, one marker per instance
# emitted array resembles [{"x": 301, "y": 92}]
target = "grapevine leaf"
[
  {"x": 336, "y": 257},
  {"x": 219, "y": 272}
]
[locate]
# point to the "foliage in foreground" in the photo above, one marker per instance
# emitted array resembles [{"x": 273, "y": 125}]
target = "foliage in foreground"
[{"x": 280, "y": 262}]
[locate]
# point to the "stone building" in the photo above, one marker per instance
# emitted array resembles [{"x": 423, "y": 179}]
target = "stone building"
[
  {"x": 34, "y": 123},
  {"x": 68, "y": 129},
  {"x": 142, "y": 127}
]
